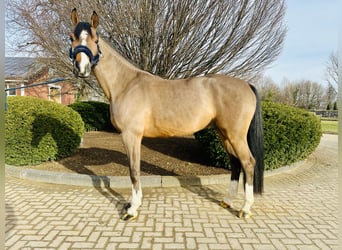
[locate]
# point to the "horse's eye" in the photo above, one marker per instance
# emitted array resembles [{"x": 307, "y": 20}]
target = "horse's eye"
[
  {"x": 97, "y": 41},
  {"x": 71, "y": 39}
]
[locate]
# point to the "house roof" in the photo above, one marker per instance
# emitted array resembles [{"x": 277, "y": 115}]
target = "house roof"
[{"x": 22, "y": 67}]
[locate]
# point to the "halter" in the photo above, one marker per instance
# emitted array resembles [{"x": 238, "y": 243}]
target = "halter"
[{"x": 81, "y": 48}]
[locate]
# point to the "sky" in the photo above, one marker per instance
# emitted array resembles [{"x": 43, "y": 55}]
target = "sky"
[{"x": 312, "y": 35}]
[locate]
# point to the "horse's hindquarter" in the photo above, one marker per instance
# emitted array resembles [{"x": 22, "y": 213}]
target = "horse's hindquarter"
[
  {"x": 235, "y": 104},
  {"x": 233, "y": 94}
]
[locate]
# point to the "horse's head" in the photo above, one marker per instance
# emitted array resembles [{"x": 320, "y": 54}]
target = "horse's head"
[{"x": 84, "y": 51}]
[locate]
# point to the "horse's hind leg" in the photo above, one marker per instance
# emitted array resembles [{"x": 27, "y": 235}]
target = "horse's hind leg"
[
  {"x": 248, "y": 164},
  {"x": 241, "y": 157},
  {"x": 234, "y": 182},
  {"x": 132, "y": 144}
]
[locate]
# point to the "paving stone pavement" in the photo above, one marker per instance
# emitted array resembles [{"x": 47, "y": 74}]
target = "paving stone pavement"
[{"x": 297, "y": 211}]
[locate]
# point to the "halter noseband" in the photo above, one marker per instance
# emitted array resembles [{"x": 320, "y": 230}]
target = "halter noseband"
[{"x": 81, "y": 48}]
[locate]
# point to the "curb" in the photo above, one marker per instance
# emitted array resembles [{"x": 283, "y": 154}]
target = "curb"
[{"x": 74, "y": 179}]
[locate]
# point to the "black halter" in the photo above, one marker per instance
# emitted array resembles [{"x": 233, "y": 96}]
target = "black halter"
[{"x": 80, "y": 48}]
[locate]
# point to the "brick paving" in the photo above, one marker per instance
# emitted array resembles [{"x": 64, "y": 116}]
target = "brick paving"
[{"x": 297, "y": 211}]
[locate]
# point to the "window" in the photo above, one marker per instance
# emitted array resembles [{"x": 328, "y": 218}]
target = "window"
[
  {"x": 12, "y": 91},
  {"x": 55, "y": 94}
]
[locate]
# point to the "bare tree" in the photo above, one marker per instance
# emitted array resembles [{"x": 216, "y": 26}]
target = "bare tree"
[
  {"x": 332, "y": 78},
  {"x": 304, "y": 94},
  {"x": 332, "y": 70},
  {"x": 170, "y": 38},
  {"x": 291, "y": 93},
  {"x": 311, "y": 94},
  {"x": 268, "y": 89}
]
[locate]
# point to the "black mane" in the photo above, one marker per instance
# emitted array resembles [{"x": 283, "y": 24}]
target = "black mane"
[{"x": 80, "y": 27}]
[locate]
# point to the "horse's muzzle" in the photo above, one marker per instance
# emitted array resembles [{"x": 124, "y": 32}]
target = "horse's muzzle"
[
  {"x": 83, "y": 60},
  {"x": 81, "y": 70}
]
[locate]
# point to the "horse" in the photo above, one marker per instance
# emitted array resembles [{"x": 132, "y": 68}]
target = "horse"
[{"x": 146, "y": 105}]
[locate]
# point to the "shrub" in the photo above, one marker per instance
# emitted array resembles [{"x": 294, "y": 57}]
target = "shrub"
[
  {"x": 210, "y": 140},
  {"x": 37, "y": 130},
  {"x": 290, "y": 135},
  {"x": 95, "y": 115}
]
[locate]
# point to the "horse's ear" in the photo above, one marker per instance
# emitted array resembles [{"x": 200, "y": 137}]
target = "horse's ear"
[
  {"x": 74, "y": 17},
  {"x": 94, "y": 20}
]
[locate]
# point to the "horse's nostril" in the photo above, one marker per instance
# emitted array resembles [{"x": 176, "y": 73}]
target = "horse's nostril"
[
  {"x": 77, "y": 65},
  {"x": 76, "y": 68}
]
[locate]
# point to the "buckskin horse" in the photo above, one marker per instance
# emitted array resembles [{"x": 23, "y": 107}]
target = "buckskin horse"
[{"x": 146, "y": 105}]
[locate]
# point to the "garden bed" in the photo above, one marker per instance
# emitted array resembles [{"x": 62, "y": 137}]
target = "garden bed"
[{"x": 102, "y": 153}]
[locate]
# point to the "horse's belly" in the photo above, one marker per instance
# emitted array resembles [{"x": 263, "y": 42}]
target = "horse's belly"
[{"x": 176, "y": 124}]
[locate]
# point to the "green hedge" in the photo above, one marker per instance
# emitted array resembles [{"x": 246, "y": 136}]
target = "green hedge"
[
  {"x": 95, "y": 115},
  {"x": 37, "y": 130},
  {"x": 290, "y": 135},
  {"x": 213, "y": 146}
]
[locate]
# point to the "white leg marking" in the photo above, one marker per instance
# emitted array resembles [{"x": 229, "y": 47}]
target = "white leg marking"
[
  {"x": 249, "y": 198},
  {"x": 136, "y": 201},
  {"x": 232, "y": 192}
]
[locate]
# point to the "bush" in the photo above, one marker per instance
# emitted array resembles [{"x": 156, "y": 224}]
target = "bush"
[
  {"x": 37, "y": 130},
  {"x": 95, "y": 115},
  {"x": 210, "y": 140},
  {"x": 290, "y": 135}
]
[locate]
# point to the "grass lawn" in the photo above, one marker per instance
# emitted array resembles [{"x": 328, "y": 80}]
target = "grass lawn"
[{"x": 329, "y": 126}]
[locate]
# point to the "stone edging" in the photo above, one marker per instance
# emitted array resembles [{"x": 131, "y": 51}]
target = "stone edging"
[{"x": 75, "y": 179}]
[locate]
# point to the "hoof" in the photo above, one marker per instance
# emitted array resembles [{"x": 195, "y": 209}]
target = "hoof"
[
  {"x": 224, "y": 205},
  {"x": 244, "y": 215},
  {"x": 128, "y": 217}
]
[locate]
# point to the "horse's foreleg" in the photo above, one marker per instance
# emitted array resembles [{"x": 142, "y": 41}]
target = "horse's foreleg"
[
  {"x": 132, "y": 144},
  {"x": 234, "y": 183}
]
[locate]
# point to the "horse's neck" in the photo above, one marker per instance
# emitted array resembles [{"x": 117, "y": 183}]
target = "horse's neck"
[{"x": 113, "y": 72}]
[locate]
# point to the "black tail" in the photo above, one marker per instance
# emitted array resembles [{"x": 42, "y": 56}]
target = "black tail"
[{"x": 255, "y": 140}]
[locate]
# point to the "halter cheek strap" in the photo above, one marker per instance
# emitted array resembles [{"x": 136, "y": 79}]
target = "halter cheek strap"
[{"x": 80, "y": 48}]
